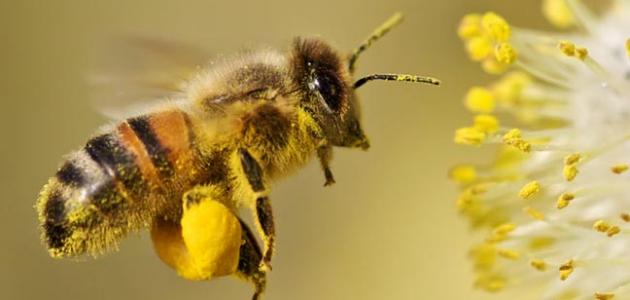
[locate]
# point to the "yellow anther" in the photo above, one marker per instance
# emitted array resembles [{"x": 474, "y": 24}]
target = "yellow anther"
[
  {"x": 505, "y": 53},
  {"x": 469, "y": 26},
  {"x": 572, "y": 159},
  {"x": 534, "y": 213},
  {"x": 566, "y": 269},
  {"x": 613, "y": 230},
  {"x": 529, "y": 190},
  {"x": 496, "y": 27},
  {"x": 469, "y": 136},
  {"x": 513, "y": 138},
  {"x": 581, "y": 53},
  {"x": 570, "y": 172},
  {"x": 486, "y": 123},
  {"x": 618, "y": 169},
  {"x": 628, "y": 47},
  {"x": 568, "y": 48},
  {"x": 538, "y": 264},
  {"x": 463, "y": 174},
  {"x": 601, "y": 226},
  {"x": 491, "y": 66},
  {"x": 480, "y": 100},
  {"x": 558, "y": 13},
  {"x": 541, "y": 242},
  {"x": 490, "y": 283},
  {"x": 604, "y": 296},
  {"x": 511, "y": 86},
  {"x": 500, "y": 233},
  {"x": 479, "y": 47},
  {"x": 509, "y": 254},
  {"x": 564, "y": 199},
  {"x": 625, "y": 217}
]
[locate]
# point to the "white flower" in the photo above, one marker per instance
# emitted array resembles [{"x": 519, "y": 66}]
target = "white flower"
[{"x": 556, "y": 199}]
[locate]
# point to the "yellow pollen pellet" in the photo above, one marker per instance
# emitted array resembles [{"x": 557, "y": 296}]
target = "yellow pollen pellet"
[
  {"x": 496, "y": 27},
  {"x": 469, "y": 26},
  {"x": 509, "y": 254},
  {"x": 463, "y": 174},
  {"x": 581, "y": 53},
  {"x": 604, "y": 296},
  {"x": 469, "y": 136},
  {"x": 486, "y": 123},
  {"x": 529, "y": 190},
  {"x": 620, "y": 168},
  {"x": 625, "y": 217},
  {"x": 566, "y": 269},
  {"x": 613, "y": 230},
  {"x": 564, "y": 199},
  {"x": 538, "y": 264},
  {"x": 572, "y": 159},
  {"x": 534, "y": 213},
  {"x": 601, "y": 226},
  {"x": 505, "y": 53},
  {"x": 558, "y": 13},
  {"x": 568, "y": 48},
  {"x": 570, "y": 172},
  {"x": 480, "y": 100}
]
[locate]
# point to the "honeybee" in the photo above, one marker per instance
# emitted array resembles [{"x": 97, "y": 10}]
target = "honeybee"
[{"x": 185, "y": 167}]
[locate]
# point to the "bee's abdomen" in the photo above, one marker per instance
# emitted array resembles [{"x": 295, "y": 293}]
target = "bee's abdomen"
[{"x": 118, "y": 182}]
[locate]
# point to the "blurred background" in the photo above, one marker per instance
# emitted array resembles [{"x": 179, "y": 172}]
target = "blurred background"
[{"x": 387, "y": 230}]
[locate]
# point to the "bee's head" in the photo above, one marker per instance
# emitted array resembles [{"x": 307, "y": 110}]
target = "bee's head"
[{"x": 324, "y": 78}]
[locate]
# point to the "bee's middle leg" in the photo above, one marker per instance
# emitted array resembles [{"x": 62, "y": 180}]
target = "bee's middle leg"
[{"x": 263, "y": 212}]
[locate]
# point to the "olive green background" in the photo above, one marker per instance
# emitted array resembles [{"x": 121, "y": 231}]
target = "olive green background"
[{"x": 387, "y": 230}]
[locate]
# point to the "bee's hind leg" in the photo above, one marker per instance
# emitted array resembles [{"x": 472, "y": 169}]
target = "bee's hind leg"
[
  {"x": 249, "y": 261},
  {"x": 263, "y": 214}
]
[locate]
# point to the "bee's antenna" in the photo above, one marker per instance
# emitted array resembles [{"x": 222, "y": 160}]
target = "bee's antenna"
[
  {"x": 396, "y": 77},
  {"x": 377, "y": 34}
]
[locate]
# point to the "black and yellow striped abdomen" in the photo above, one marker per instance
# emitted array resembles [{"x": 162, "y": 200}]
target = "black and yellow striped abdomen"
[{"x": 120, "y": 181}]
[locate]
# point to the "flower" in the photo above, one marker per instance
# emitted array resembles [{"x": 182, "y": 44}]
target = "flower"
[{"x": 555, "y": 201}]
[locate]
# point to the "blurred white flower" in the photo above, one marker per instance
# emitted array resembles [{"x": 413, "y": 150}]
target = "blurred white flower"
[{"x": 556, "y": 199}]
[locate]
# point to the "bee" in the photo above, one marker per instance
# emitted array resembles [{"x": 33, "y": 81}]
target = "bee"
[{"x": 184, "y": 168}]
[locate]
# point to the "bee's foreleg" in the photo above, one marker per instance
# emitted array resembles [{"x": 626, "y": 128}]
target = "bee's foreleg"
[
  {"x": 263, "y": 211},
  {"x": 324, "y": 153}
]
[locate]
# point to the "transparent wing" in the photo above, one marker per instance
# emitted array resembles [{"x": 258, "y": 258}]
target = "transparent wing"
[{"x": 136, "y": 72}]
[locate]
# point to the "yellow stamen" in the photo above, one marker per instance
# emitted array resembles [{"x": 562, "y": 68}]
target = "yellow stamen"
[
  {"x": 511, "y": 86},
  {"x": 513, "y": 138},
  {"x": 628, "y": 47},
  {"x": 566, "y": 269},
  {"x": 509, "y": 254},
  {"x": 529, "y": 190},
  {"x": 620, "y": 168},
  {"x": 581, "y": 53},
  {"x": 538, "y": 264},
  {"x": 625, "y": 217},
  {"x": 469, "y": 136},
  {"x": 486, "y": 123},
  {"x": 480, "y": 100},
  {"x": 500, "y": 232},
  {"x": 568, "y": 48},
  {"x": 463, "y": 174},
  {"x": 604, "y": 296},
  {"x": 534, "y": 213},
  {"x": 469, "y": 26},
  {"x": 564, "y": 199},
  {"x": 491, "y": 66},
  {"x": 558, "y": 13},
  {"x": 570, "y": 172},
  {"x": 479, "y": 47},
  {"x": 613, "y": 231},
  {"x": 496, "y": 27},
  {"x": 601, "y": 226},
  {"x": 505, "y": 53},
  {"x": 572, "y": 159}
]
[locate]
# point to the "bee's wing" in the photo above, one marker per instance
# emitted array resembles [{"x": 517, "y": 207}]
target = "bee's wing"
[{"x": 137, "y": 71}]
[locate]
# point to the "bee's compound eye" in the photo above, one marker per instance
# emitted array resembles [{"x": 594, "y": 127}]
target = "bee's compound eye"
[{"x": 330, "y": 88}]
